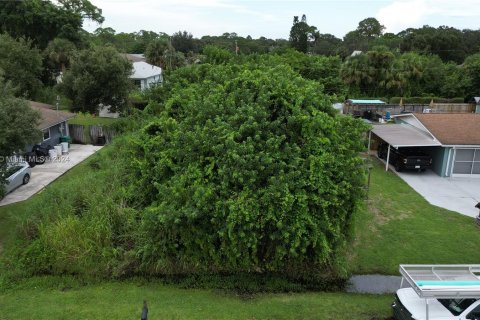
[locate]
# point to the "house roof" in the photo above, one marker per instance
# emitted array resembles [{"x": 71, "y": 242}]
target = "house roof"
[
  {"x": 356, "y": 101},
  {"x": 453, "y": 128},
  {"x": 143, "y": 70},
  {"x": 49, "y": 116},
  {"x": 134, "y": 57},
  {"x": 404, "y": 135}
]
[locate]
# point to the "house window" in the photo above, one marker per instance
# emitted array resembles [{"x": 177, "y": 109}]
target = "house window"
[
  {"x": 46, "y": 134},
  {"x": 138, "y": 83}
]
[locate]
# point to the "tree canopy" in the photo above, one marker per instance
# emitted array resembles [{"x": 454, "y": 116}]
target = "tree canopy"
[
  {"x": 21, "y": 64},
  {"x": 97, "y": 76}
]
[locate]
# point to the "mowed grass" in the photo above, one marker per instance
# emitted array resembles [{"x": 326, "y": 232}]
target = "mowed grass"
[
  {"x": 124, "y": 301},
  {"x": 87, "y": 119},
  {"x": 398, "y": 226}
]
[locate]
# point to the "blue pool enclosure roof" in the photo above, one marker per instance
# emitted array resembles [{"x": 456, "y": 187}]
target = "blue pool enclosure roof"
[
  {"x": 360, "y": 101},
  {"x": 443, "y": 281}
]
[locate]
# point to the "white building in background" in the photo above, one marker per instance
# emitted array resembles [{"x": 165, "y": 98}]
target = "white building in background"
[{"x": 146, "y": 75}]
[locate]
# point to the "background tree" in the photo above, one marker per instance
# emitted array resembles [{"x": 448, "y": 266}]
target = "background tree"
[
  {"x": 328, "y": 45},
  {"x": 22, "y": 65},
  {"x": 155, "y": 52},
  {"x": 370, "y": 28},
  {"x": 471, "y": 68},
  {"x": 42, "y": 21},
  {"x": 301, "y": 34},
  {"x": 216, "y": 55},
  {"x": 183, "y": 42},
  {"x": 58, "y": 53},
  {"x": 97, "y": 76}
]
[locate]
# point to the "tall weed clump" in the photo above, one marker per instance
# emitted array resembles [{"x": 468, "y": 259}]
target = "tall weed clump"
[{"x": 80, "y": 225}]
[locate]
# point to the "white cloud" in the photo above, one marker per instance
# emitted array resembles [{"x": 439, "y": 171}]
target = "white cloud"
[
  {"x": 199, "y": 17},
  {"x": 402, "y": 14}
]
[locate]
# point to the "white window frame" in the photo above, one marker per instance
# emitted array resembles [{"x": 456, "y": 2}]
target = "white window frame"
[{"x": 49, "y": 134}]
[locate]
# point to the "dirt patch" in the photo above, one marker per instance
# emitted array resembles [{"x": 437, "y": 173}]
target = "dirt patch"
[{"x": 383, "y": 213}]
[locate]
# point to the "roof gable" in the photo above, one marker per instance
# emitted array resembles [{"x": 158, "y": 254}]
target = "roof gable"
[{"x": 49, "y": 116}]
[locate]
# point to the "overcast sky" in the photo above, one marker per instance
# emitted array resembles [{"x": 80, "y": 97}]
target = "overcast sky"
[{"x": 273, "y": 19}]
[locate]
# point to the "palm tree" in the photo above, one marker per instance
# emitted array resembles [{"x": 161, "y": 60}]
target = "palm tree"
[{"x": 58, "y": 52}]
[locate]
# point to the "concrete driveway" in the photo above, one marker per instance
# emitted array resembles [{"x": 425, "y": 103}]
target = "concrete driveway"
[
  {"x": 455, "y": 194},
  {"x": 43, "y": 175}
]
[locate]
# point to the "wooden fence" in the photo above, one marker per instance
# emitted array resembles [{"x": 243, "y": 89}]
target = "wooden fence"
[
  {"x": 90, "y": 134},
  {"x": 359, "y": 109}
]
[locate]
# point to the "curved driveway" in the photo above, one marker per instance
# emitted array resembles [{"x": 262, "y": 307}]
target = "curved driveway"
[{"x": 43, "y": 175}]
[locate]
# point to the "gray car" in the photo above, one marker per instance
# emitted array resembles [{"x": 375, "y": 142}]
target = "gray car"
[{"x": 17, "y": 175}]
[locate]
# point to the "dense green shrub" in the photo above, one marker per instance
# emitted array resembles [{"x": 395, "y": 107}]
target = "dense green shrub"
[
  {"x": 239, "y": 170},
  {"x": 254, "y": 173}
]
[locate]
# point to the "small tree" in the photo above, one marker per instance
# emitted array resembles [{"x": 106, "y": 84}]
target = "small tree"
[
  {"x": 98, "y": 76},
  {"x": 18, "y": 126}
]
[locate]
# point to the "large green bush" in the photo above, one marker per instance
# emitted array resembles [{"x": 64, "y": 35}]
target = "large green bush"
[
  {"x": 254, "y": 173},
  {"x": 237, "y": 169}
]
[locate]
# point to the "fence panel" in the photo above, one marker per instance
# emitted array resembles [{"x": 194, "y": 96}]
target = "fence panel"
[
  {"x": 91, "y": 134},
  {"x": 77, "y": 133}
]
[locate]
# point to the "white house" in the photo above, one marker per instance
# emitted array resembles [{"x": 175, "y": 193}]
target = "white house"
[{"x": 145, "y": 75}]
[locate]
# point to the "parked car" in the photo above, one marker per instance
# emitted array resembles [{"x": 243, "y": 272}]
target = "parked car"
[
  {"x": 408, "y": 305},
  {"x": 405, "y": 158},
  {"x": 38, "y": 155},
  {"x": 16, "y": 175}
]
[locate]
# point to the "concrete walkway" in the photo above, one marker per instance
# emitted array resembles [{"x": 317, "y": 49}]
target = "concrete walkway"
[
  {"x": 455, "y": 194},
  {"x": 43, "y": 175},
  {"x": 374, "y": 284}
]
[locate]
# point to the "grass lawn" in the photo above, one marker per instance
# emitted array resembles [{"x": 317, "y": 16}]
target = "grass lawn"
[
  {"x": 87, "y": 120},
  {"x": 398, "y": 226},
  {"x": 124, "y": 301}
]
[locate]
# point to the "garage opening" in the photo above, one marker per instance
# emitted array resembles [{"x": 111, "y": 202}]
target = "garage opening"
[{"x": 398, "y": 140}]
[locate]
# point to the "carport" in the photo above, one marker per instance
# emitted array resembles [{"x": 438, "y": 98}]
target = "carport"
[{"x": 402, "y": 135}]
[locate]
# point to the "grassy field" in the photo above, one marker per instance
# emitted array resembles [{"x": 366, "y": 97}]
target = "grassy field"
[
  {"x": 87, "y": 120},
  {"x": 124, "y": 301},
  {"x": 398, "y": 226}
]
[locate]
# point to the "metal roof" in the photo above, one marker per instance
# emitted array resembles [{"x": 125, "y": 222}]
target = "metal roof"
[
  {"x": 443, "y": 281},
  {"x": 366, "y": 101},
  {"x": 143, "y": 70},
  {"x": 404, "y": 135}
]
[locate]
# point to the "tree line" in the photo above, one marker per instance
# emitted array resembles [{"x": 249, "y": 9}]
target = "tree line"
[{"x": 34, "y": 52}]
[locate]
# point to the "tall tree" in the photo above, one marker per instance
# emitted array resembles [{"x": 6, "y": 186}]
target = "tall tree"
[
  {"x": 155, "y": 52},
  {"x": 58, "y": 53},
  {"x": 370, "y": 28},
  {"x": 183, "y": 42},
  {"x": 98, "y": 76},
  {"x": 22, "y": 65},
  {"x": 301, "y": 34}
]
